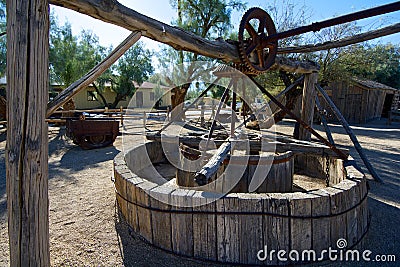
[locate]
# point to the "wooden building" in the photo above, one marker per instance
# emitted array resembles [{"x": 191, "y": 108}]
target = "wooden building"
[
  {"x": 361, "y": 100},
  {"x": 144, "y": 97}
]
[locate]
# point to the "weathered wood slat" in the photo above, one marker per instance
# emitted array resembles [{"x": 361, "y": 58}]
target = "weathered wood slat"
[
  {"x": 276, "y": 232},
  {"x": 182, "y": 224},
  {"x": 27, "y": 140},
  {"x": 213, "y": 164},
  {"x": 321, "y": 228},
  {"x": 300, "y": 229},
  {"x": 161, "y": 221},
  {"x": 251, "y": 239},
  {"x": 144, "y": 214},
  {"x": 204, "y": 228},
  {"x": 308, "y": 104},
  {"x": 93, "y": 74},
  {"x": 228, "y": 228}
]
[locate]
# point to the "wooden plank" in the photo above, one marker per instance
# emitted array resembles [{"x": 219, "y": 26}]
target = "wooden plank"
[
  {"x": 26, "y": 156},
  {"x": 276, "y": 232},
  {"x": 321, "y": 206},
  {"x": 251, "y": 226},
  {"x": 211, "y": 167},
  {"x": 308, "y": 104},
  {"x": 337, "y": 223},
  {"x": 204, "y": 226},
  {"x": 182, "y": 223},
  {"x": 228, "y": 229},
  {"x": 132, "y": 212},
  {"x": 300, "y": 229},
  {"x": 93, "y": 74},
  {"x": 161, "y": 221},
  {"x": 144, "y": 214}
]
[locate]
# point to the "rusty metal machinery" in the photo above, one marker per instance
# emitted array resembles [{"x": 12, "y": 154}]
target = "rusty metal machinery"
[
  {"x": 258, "y": 39},
  {"x": 256, "y": 51}
]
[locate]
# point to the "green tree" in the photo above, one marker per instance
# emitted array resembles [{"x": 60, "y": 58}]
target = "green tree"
[
  {"x": 71, "y": 56},
  {"x": 378, "y": 62},
  {"x": 206, "y": 18},
  {"x": 133, "y": 66}
]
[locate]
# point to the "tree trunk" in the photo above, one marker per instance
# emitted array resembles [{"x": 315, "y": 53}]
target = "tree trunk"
[
  {"x": 177, "y": 98},
  {"x": 103, "y": 99},
  {"x": 27, "y": 139}
]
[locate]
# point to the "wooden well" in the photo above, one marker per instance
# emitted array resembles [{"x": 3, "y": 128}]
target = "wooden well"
[
  {"x": 235, "y": 227},
  {"x": 276, "y": 173}
]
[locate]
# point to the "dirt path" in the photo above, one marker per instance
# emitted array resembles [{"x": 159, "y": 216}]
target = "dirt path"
[{"x": 85, "y": 229}]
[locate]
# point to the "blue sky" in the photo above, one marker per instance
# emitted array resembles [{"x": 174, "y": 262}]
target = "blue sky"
[{"x": 161, "y": 10}]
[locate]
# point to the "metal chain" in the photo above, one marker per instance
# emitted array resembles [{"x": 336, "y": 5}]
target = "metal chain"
[{"x": 327, "y": 170}]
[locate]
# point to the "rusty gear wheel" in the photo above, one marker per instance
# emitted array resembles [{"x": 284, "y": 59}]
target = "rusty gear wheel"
[{"x": 256, "y": 51}]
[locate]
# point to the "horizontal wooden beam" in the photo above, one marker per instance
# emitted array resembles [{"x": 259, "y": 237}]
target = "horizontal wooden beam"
[
  {"x": 92, "y": 75},
  {"x": 113, "y": 12},
  {"x": 281, "y": 145},
  {"x": 342, "y": 42}
]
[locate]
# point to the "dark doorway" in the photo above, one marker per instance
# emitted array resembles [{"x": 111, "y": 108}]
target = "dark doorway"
[
  {"x": 387, "y": 105},
  {"x": 139, "y": 99}
]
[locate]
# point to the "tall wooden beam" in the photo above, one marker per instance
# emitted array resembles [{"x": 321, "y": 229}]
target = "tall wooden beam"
[
  {"x": 27, "y": 140},
  {"x": 113, "y": 12},
  {"x": 308, "y": 104}
]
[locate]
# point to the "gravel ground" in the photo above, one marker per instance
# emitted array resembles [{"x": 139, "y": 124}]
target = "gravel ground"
[{"x": 85, "y": 229}]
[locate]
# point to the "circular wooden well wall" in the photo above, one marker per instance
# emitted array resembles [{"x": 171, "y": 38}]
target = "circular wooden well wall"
[
  {"x": 237, "y": 226},
  {"x": 279, "y": 178}
]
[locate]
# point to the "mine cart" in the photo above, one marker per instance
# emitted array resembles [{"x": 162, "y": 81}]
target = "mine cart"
[{"x": 92, "y": 133}]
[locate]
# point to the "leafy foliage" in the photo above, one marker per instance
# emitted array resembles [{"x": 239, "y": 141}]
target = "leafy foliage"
[{"x": 133, "y": 66}]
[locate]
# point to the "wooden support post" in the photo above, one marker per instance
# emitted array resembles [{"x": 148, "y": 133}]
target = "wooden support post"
[
  {"x": 121, "y": 110},
  {"x": 308, "y": 104},
  {"x": 93, "y": 74},
  {"x": 27, "y": 141},
  {"x": 144, "y": 119},
  {"x": 202, "y": 120},
  {"x": 349, "y": 131}
]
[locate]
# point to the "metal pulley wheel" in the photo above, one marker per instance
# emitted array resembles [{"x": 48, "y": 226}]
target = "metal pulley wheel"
[{"x": 256, "y": 51}]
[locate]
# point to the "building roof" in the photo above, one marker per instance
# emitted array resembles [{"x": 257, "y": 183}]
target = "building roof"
[
  {"x": 373, "y": 85},
  {"x": 149, "y": 85}
]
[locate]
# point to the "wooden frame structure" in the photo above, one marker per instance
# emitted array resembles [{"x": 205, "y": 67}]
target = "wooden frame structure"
[{"x": 27, "y": 92}]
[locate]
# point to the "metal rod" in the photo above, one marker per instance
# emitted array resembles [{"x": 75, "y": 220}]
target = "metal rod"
[
  {"x": 304, "y": 124},
  {"x": 349, "y": 131},
  {"x": 191, "y": 105},
  {"x": 316, "y": 26},
  {"x": 233, "y": 109},
  {"x": 214, "y": 122}
]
